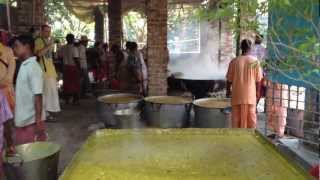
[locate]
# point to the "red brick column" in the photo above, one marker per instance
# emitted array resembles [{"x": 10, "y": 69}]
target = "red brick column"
[
  {"x": 157, "y": 46},
  {"x": 115, "y": 22}
]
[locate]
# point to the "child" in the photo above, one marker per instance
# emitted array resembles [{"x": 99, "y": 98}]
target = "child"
[{"x": 29, "y": 111}]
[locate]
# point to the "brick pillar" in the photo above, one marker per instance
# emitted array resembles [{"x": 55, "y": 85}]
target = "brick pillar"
[
  {"x": 157, "y": 46},
  {"x": 29, "y": 13},
  {"x": 115, "y": 22},
  {"x": 99, "y": 25}
]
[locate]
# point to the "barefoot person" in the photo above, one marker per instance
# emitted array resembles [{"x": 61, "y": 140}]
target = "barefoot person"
[
  {"x": 7, "y": 69},
  {"x": 44, "y": 51},
  {"x": 29, "y": 112},
  {"x": 243, "y": 77},
  {"x": 5, "y": 116},
  {"x": 71, "y": 70},
  {"x": 276, "y": 107}
]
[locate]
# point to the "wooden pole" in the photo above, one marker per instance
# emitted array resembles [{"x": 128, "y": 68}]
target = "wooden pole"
[{"x": 8, "y": 16}]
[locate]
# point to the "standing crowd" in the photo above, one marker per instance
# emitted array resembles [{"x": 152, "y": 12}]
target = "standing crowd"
[
  {"x": 29, "y": 73},
  {"x": 247, "y": 84},
  {"x": 29, "y": 95}
]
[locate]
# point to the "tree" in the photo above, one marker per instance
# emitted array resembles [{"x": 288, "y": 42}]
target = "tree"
[
  {"x": 183, "y": 28},
  {"x": 294, "y": 48},
  {"x": 63, "y": 21},
  {"x": 135, "y": 27}
]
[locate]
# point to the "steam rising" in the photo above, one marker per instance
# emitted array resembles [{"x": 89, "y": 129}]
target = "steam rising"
[{"x": 204, "y": 65}]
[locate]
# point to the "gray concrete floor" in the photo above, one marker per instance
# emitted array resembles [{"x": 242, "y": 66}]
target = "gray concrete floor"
[{"x": 72, "y": 129}]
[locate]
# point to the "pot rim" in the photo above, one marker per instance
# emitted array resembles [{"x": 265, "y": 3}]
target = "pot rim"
[
  {"x": 196, "y": 102},
  {"x": 57, "y": 149},
  {"x": 139, "y": 98},
  {"x": 148, "y": 100}
]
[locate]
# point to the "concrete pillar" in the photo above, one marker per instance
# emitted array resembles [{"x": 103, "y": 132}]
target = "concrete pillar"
[
  {"x": 115, "y": 22},
  {"x": 29, "y": 13},
  {"x": 157, "y": 46}
]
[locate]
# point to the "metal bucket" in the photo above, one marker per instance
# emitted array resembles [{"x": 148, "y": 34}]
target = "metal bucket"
[
  {"x": 167, "y": 115},
  {"x": 34, "y": 161},
  {"x": 211, "y": 115},
  {"x": 105, "y": 110},
  {"x": 128, "y": 119}
]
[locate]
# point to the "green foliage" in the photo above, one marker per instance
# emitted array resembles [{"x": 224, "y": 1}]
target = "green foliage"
[
  {"x": 11, "y": 2},
  {"x": 63, "y": 21},
  {"x": 295, "y": 49},
  {"x": 135, "y": 27},
  {"x": 228, "y": 10},
  {"x": 182, "y": 16},
  {"x": 183, "y": 28}
]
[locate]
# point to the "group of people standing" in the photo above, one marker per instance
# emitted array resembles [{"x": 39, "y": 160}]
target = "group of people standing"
[
  {"x": 22, "y": 110},
  {"x": 247, "y": 83},
  {"x": 35, "y": 96},
  {"x": 29, "y": 94},
  {"x": 112, "y": 68}
]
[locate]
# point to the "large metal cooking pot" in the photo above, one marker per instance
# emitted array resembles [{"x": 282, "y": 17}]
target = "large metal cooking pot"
[
  {"x": 34, "y": 161},
  {"x": 106, "y": 109},
  {"x": 128, "y": 118},
  {"x": 167, "y": 111},
  {"x": 212, "y": 113}
]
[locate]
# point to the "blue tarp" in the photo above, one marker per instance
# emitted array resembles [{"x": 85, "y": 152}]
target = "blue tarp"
[{"x": 282, "y": 25}]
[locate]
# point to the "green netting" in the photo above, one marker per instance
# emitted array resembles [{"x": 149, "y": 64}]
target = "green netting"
[{"x": 83, "y": 9}]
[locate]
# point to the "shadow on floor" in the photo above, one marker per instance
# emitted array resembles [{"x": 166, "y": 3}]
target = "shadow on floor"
[{"x": 72, "y": 129}]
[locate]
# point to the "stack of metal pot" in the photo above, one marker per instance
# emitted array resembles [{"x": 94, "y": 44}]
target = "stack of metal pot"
[
  {"x": 131, "y": 111},
  {"x": 167, "y": 111},
  {"x": 108, "y": 107},
  {"x": 212, "y": 113}
]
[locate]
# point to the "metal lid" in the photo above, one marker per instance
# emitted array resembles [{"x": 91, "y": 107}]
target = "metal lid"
[
  {"x": 213, "y": 103},
  {"x": 171, "y": 100},
  {"x": 119, "y": 98}
]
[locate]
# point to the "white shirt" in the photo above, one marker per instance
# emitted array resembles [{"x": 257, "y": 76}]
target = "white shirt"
[
  {"x": 29, "y": 83},
  {"x": 68, "y": 52},
  {"x": 259, "y": 52},
  {"x": 144, "y": 68},
  {"x": 83, "y": 57}
]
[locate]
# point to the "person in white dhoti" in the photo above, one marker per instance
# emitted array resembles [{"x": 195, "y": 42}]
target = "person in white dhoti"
[{"x": 43, "y": 49}]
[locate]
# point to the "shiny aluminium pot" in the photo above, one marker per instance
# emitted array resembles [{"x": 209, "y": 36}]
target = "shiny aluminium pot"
[
  {"x": 212, "y": 113},
  {"x": 128, "y": 119},
  {"x": 105, "y": 108},
  {"x": 33, "y": 161},
  {"x": 167, "y": 111}
]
